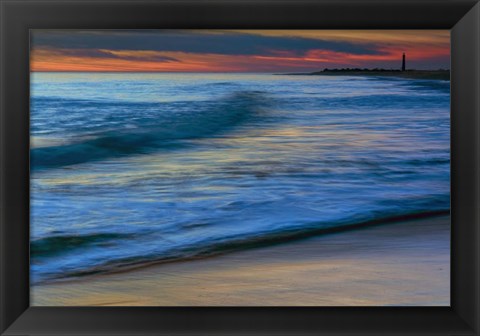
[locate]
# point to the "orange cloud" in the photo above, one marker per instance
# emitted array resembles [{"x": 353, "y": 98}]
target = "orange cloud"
[{"x": 423, "y": 37}]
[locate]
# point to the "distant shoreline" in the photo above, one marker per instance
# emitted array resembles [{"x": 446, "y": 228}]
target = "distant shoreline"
[{"x": 414, "y": 74}]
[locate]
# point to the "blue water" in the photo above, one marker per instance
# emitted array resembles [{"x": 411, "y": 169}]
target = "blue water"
[{"x": 134, "y": 168}]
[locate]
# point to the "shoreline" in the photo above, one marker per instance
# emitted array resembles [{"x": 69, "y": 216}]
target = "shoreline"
[
  {"x": 401, "y": 263},
  {"x": 411, "y": 74},
  {"x": 247, "y": 244}
]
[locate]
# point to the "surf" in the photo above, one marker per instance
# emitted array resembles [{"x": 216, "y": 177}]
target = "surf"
[{"x": 164, "y": 131}]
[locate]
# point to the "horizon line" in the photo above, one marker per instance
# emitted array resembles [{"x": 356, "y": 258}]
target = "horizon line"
[{"x": 236, "y": 72}]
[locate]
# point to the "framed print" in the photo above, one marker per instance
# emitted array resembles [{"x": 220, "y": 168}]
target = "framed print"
[
  {"x": 239, "y": 168},
  {"x": 210, "y": 171}
]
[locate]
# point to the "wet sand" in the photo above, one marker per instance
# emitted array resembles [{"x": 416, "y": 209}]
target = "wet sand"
[{"x": 399, "y": 264}]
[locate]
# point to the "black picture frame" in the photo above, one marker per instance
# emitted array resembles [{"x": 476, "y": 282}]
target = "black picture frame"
[{"x": 17, "y": 17}]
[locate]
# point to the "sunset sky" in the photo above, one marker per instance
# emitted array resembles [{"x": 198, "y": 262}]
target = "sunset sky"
[{"x": 236, "y": 50}]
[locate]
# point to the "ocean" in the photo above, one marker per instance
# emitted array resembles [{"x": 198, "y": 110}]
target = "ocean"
[{"x": 135, "y": 168}]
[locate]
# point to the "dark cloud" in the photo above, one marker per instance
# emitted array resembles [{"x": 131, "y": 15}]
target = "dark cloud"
[
  {"x": 98, "y": 53},
  {"x": 225, "y": 43}
]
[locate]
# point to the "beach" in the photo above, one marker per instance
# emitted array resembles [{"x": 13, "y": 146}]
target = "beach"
[{"x": 398, "y": 264}]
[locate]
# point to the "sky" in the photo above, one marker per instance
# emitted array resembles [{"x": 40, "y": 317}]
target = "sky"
[{"x": 269, "y": 51}]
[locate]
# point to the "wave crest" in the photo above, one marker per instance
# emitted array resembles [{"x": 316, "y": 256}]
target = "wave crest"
[
  {"x": 49, "y": 246},
  {"x": 165, "y": 131}
]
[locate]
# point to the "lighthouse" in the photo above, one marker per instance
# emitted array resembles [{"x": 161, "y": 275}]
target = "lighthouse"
[{"x": 403, "y": 62}]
